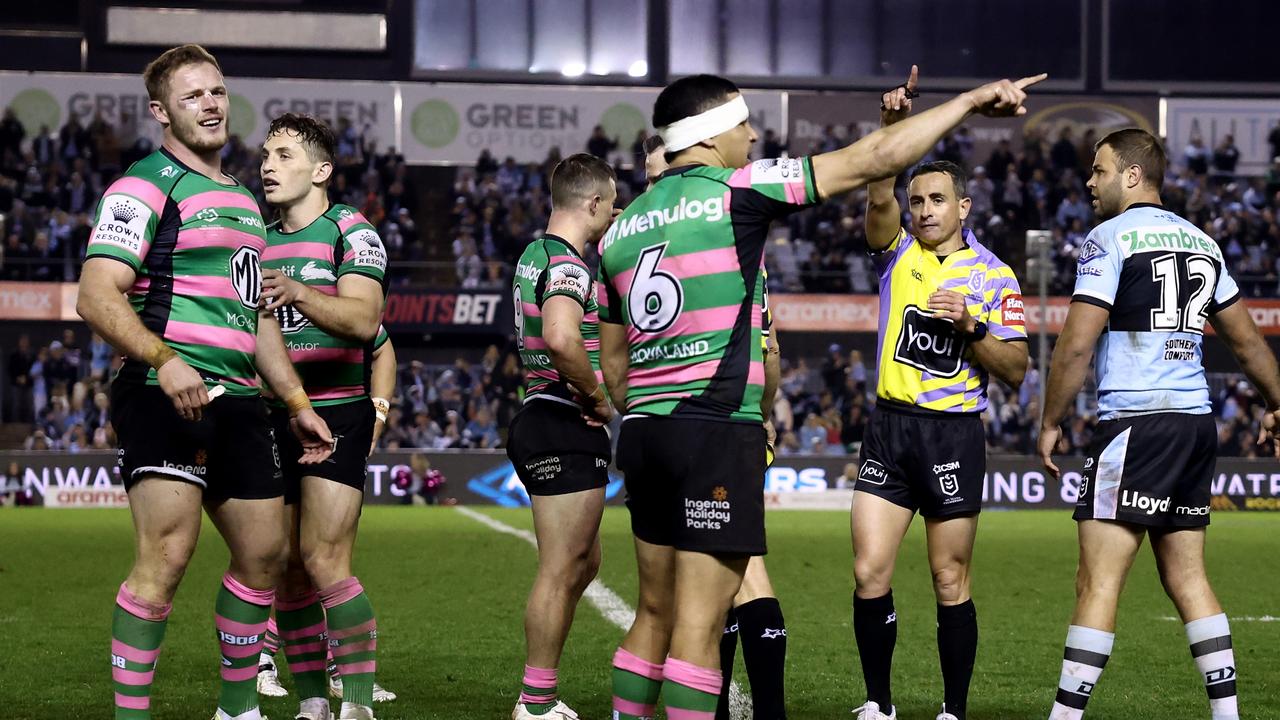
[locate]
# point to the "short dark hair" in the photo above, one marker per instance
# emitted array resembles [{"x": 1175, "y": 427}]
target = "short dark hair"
[
  {"x": 1134, "y": 146},
  {"x": 578, "y": 177},
  {"x": 959, "y": 180},
  {"x": 156, "y": 75},
  {"x": 652, "y": 143},
  {"x": 313, "y": 134},
  {"x": 689, "y": 96}
]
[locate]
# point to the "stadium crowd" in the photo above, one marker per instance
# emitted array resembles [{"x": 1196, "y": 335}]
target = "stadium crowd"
[{"x": 49, "y": 183}]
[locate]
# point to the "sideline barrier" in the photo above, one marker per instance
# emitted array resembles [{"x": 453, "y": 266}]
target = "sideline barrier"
[{"x": 486, "y": 477}]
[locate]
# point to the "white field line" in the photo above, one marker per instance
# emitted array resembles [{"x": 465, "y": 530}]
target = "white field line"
[
  {"x": 1241, "y": 618},
  {"x": 611, "y": 606}
]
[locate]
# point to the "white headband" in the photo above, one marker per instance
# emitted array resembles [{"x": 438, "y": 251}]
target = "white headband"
[{"x": 694, "y": 129}]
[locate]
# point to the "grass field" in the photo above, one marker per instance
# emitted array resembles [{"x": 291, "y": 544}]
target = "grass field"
[{"x": 450, "y": 591}]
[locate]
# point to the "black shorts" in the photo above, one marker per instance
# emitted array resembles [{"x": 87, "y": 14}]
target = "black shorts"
[
  {"x": 933, "y": 462},
  {"x": 695, "y": 485},
  {"x": 230, "y": 451},
  {"x": 555, "y": 451},
  {"x": 351, "y": 423},
  {"x": 1151, "y": 470}
]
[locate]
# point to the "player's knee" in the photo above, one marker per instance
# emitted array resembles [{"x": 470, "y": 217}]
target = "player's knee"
[
  {"x": 951, "y": 583},
  {"x": 162, "y": 561},
  {"x": 872, "y": 579},
  {"x": 325, "y": 560},
  {"x": 1092, "y": 583},
  {"x": 588, "y": 568}
]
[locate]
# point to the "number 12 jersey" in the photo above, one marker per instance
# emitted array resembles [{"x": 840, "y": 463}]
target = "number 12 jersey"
[{"x": 1161, "y": 278}]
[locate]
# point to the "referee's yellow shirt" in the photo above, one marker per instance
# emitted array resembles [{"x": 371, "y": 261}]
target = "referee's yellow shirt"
[{"x": 923, "y": 360}]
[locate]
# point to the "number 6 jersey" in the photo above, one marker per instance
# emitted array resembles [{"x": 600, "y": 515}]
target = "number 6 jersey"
[
  {"x": 1161, "y": 278},
  {"x": 681, "y": 268}
]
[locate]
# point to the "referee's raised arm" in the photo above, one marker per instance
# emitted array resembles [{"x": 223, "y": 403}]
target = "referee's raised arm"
[
  {"x": 884, "y": 217},
  {"x": 888, "y": 151}
]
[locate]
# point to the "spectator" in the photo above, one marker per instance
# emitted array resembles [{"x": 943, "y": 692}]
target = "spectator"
[
  {"x": 981, "y": 192},
  {"x": 848, "y": 478},
  {"x": 599, "y": 145},
  {"x": 1063, "y": 155},
  {"x": 1225, "y": 158},
  {"x": 1072, "y": 208},
  {"x": 772, "y": 147},
  {"x": 19, "y": 407},
  {"x": 481, "y": 432},
  {"x": 813, "y": 435},
  {"x": 1273, "y": 139},
  {"x": 11, "y": 133},
  {"x": 1196, "y": 156}
]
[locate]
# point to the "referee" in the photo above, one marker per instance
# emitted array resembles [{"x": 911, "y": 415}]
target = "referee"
[{"x": 950, "y": 315}]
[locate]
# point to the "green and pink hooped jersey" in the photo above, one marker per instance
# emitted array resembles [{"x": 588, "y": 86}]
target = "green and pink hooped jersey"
[
  {"x": 339, "y": 242},
  {"x": 681, "y": 268},
  {"x": 195, "y": 245},
  {"x": 549, "y": 266}
]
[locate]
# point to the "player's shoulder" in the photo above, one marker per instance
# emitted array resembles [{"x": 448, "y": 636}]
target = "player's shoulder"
[
  {"x": 150, "y": 179},
  {"x": 348, "y": 219}
]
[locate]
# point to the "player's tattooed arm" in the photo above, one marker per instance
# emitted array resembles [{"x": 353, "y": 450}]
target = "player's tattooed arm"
[
  {"x": 884, "y": 217},
  {"x": 354, "y": 312},
  {"x": 614, "y": 362},
  {"x": 1067, "y": 371},
  {"x": 102, "y": 305},
  {"x": 888, "y": 151}
]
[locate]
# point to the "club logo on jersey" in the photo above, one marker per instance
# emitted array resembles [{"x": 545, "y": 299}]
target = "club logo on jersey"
[
  {"x": 246, "y": 276},
  {"x": 873, "y": 473},
  {"x": 311, "y": 272},
  {"x": 1013, "y": 312},
  {"x": 929, "y": 344},
  {"x": 569, "y": 279},
  {"x": 345, "y": 214},
  {"x": 1089, "y": 252},
  {"x": 207, "y": 215},
  {"x": 122, "y": 222},
  {"x": 167, "y": 171}
]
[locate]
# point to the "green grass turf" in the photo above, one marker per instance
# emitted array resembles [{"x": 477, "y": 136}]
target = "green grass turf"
[{"x": 450, "y": 593}]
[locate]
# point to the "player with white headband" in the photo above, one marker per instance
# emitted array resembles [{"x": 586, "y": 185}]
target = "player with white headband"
[{"x": 680, "y": 300}]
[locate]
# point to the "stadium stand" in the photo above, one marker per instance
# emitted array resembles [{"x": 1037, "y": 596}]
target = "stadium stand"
[{"x": 55, "y": 395}]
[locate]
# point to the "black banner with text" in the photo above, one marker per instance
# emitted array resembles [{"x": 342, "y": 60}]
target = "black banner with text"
[{"x": 487, "y": 477}]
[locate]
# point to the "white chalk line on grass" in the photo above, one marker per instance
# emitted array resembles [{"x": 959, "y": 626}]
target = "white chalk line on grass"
[
  {"x": 1241, "y": 618},
  {"x": 611, "y": 606}
]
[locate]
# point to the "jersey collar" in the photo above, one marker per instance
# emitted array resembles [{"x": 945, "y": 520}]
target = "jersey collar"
[
  {"x": 1135, "y": 206},
  {"x": 235, "y": 182},
  {"x": 572, "y": 250}
]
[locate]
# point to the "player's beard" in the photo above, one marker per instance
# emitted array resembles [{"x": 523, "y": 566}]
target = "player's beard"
[
  {"x": 1109, "y": 199},
  {"x": 187, "y": 130}
]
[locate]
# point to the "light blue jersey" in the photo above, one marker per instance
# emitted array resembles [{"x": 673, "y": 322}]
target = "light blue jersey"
[{"x": 1161, "y": 278}]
